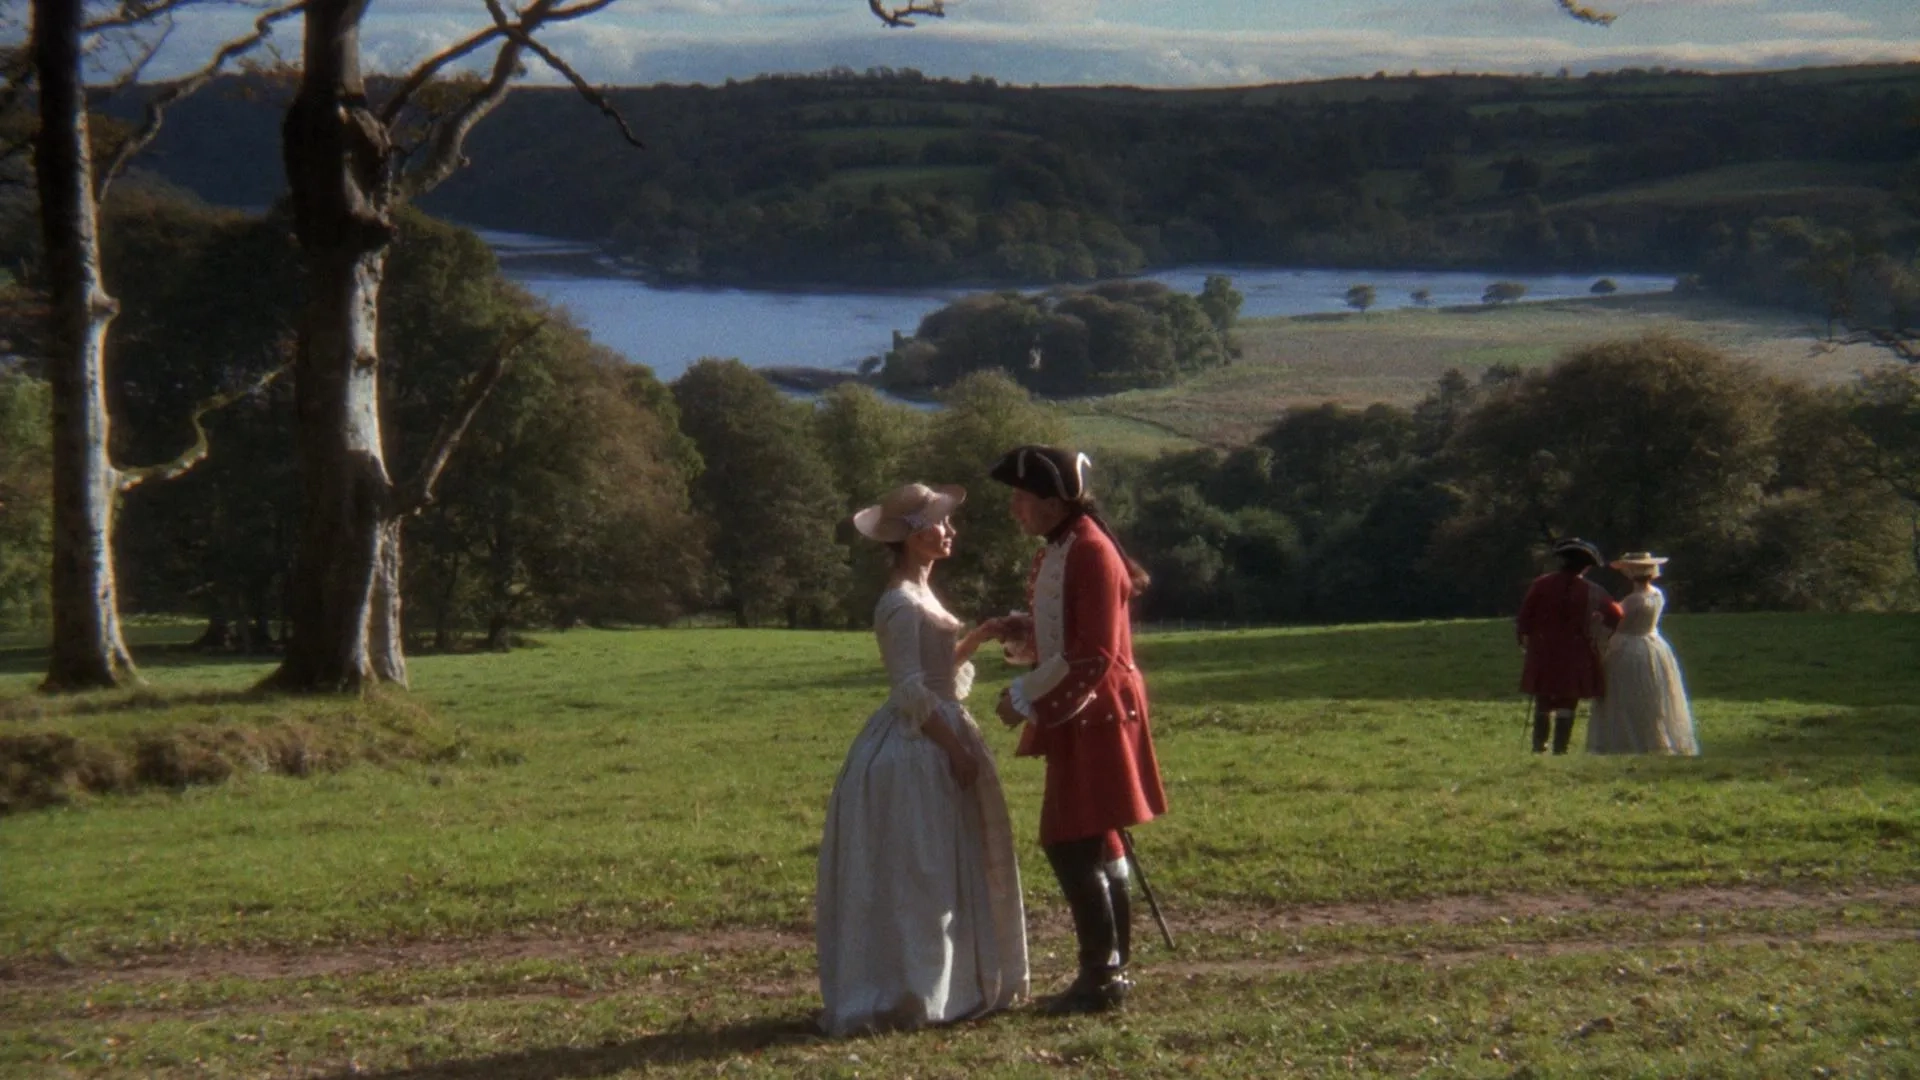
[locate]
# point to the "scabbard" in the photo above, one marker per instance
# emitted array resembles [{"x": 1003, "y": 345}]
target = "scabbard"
[{"x": 1146, "y": 887}]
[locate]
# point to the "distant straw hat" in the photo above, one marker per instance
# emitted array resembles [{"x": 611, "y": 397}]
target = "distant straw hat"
[
  {"x": 1640, "y": 560},
  {"x": 908, "y": 509}
]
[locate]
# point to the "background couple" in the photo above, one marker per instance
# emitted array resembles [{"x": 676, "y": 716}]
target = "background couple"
[
  {"x": 1580, "y": 643},
  {"x": 919, "y": 918}
]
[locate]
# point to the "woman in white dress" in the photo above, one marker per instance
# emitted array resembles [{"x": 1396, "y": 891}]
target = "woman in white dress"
[
  {"x": 918, "y": 912},
  {"x": 1645, "y": 707}
]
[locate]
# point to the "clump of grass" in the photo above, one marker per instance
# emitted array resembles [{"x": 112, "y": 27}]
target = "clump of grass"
[{"x": 68, "y": 750}]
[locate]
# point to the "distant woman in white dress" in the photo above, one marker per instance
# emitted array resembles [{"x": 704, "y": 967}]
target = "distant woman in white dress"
[
  {"x": 1645, "y": 707},
  {"x": 918, "y": 912}
]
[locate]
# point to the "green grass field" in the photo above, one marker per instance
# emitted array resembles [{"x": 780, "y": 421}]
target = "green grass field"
[
  {"x": 1102, "y": 433},
  {"x": 1396, "y": 356},
  {"x": 1369, "y": 873},
  {"x": 1759, "y": 178}
]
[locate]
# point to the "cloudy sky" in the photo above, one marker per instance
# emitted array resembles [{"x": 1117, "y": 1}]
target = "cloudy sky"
[{"x": 1150, "y": 42}]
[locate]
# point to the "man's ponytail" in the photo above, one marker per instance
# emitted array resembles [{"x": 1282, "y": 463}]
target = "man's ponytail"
[{"x": 1136, "y": 574}]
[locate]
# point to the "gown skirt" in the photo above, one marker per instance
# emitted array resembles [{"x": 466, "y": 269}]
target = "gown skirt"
[
  {"x": 1645, "y": 708},
  {"x": 919, "y": 916}
]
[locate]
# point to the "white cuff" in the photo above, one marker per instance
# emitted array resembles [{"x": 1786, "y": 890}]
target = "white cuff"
[{"x": 1017, "y": 693}]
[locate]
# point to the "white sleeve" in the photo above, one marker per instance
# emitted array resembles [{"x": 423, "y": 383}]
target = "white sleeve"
[
  {"x": 1017, "y": 695},
  {"x": 899, "y": 632},
  {"x": 1040, "y": 682}
]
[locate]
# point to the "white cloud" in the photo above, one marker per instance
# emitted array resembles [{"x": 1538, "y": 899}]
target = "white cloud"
[
  {"x": 1110, "y": 53},
  {"x": 626, "y": 45},
  {"x": 1025, "y": 11},
  {"x": 1819, "y": 22},
  {"x": 1627, "y": 6}
]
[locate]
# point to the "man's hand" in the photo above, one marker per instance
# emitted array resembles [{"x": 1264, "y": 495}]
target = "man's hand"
[
  {"x": 965, "y": 767},
  {"x": 995, "y": 628},
  {"x": 1004, "y": 709}
]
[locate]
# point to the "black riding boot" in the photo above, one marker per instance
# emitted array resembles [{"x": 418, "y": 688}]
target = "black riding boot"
[
  {"x": 1079, "y": 866},
  {"x": 1122, "y": 904},
  {"x": 1562, "y": 732},
  {"x": 1539, "y": 730}
]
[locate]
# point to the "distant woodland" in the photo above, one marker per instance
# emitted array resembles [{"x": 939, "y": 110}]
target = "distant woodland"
[
  {"x": 589, "y": 491},
  {"x": 888, "y": 177}
]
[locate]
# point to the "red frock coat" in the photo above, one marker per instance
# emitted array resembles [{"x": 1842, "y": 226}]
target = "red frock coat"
[
  {"x": 1555, "y": 623},
  {"x": 1092, "y": 726}
]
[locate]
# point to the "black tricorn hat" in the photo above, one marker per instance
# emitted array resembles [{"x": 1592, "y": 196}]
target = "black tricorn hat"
[
  {"x": 1573, "y": 546},
  {"x": 1047, "y": 471}
]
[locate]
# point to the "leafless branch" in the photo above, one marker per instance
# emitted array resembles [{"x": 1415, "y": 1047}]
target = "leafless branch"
[
  {"x": 130, "y": 15},
  {"x": 134, "y": 68},
  {"x": 586, "y": 89},
  {"x": 157, "y": 106},
  {"x": 421, "y": 75},
  {"x": 417, "y": 495},
  {"x": 448, "y": 135},
  {"x": 1904, "y": 344},
  {"x": 903, "y": 16},
  {"x": 197, "y": 453},
  {"x": 1586, "y": 14}
]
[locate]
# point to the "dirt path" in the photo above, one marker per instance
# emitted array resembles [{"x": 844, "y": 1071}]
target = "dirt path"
[{"x": 356, "y": 960}]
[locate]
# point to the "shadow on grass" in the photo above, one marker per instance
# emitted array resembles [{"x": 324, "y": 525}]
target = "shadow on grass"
[
  {"x": 681, "y": 1046},
  {"x": 32, "y": 659}
]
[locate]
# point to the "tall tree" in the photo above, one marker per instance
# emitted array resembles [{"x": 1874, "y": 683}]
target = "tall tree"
[
  {"x": 767, "y": 491},
  {"x": 1886, "y": 413},
  {"x": 1651, "y": 443},
  {"x": 88, "y": 650},
  {"x": 569, "y": 498},
  {"x": 87, "y": 647},
  {"x": 867, "y": 442},
  {"x": 986, "y": 414},
  {"x": 349, "y": 174}
]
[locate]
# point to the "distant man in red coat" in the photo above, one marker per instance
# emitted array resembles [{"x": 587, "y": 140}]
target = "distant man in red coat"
[
  {"x": 1556, "y": 627},
  {"x": 1083, "y": 708}
]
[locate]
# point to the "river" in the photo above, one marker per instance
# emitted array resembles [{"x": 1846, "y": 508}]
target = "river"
[{"x": 669, "y": 328}]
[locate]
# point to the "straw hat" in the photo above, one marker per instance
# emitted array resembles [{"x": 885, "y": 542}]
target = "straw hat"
[
  {"x": 1640, "y": 560},
  {"x": 908, "y": 509}
]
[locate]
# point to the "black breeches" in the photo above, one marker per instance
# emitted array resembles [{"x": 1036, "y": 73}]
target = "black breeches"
[{"x": 1562, "y": 719}]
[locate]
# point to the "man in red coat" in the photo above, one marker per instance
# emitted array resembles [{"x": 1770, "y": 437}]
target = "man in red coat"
[
  {"x": 1083, "y": 708},
  {"x": 1556, "y": 627}
]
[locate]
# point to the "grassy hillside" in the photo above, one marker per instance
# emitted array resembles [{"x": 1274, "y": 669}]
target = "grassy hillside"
[
  {"x": 1395, "y": 356},
  {"x": 1368, "y": 871}
]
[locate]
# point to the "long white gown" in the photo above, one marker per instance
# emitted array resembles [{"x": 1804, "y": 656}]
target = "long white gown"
[
  {"x": 1645, "y": 708},
  {"x": 918, "y": 915}
]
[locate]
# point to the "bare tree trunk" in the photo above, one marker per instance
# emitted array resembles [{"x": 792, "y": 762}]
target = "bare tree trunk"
[
  {"x": 346, "y": 183},
  {"x": 338, "y": 161},
  {"x": 385, "y": 643},
  {"x": 88, "y": 650}
]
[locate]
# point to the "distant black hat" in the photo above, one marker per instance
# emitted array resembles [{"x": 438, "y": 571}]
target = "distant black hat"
[
  {"x": 1574, "y": 546},
  {"x": 1047, "y": 471}
]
